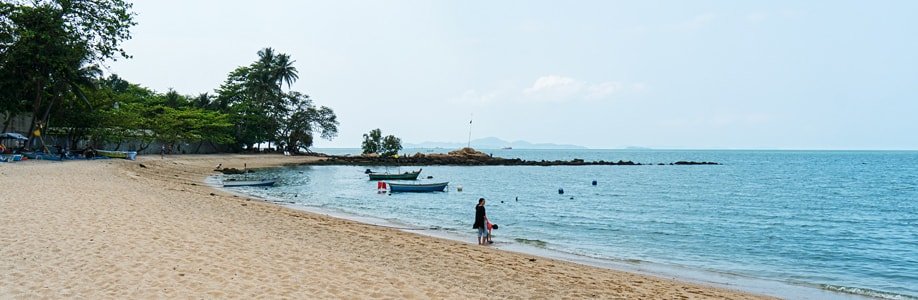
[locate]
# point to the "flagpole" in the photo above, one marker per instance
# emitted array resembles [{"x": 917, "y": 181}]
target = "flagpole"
[{"x": 469, "y": 145}]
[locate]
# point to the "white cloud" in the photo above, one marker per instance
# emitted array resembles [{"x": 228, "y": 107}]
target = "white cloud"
[
  {"x": 554, "y": 86},
  {"x": 560, "y": 88}
]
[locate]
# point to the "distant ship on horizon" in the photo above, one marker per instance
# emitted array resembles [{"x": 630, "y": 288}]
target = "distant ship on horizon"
[{"x": 507, "y": 148}]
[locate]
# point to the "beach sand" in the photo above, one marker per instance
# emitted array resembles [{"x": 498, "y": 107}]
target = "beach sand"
[{"x": 114, "y": 229}]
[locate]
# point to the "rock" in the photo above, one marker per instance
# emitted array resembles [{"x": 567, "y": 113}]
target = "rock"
[
  {"x": 232, "y": 171},
  {"x": 682, "y": 162},
  {"x": 143, "y": 166}
]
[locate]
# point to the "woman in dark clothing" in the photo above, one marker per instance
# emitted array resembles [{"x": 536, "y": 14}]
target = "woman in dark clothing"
[{"x": 480, "y": 220}]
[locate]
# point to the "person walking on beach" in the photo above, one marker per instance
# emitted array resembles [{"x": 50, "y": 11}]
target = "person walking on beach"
[
  {"x": 481, "y": 219},
  {"x": 162, "y": 152}
]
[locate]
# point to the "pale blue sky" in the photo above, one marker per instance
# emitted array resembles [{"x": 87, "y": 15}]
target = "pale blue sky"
[{"x": 602, "y": 74}]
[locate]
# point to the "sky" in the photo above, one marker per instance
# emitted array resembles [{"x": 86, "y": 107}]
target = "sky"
[{"x": 601, "y": 74}]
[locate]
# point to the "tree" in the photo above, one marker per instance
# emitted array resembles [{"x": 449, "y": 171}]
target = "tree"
[
  {"x": 304, "y": 122},
  {"x": 391, "y": 145},
  {"x": 372, "y": 141},
  {"x": 263, "y": 112},
  {"x": 45, "y": 46}
]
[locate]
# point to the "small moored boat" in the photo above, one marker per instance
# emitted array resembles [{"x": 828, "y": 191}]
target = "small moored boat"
[
  {"x": 403, "y": 176},
  {"x": 417, "y": 188},
  {"x": 235, "y": 183}
]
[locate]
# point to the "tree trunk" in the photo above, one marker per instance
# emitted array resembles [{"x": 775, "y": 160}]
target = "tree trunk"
[
  {"x": 9, "y": 120},
  {"x": 197, "y": 150}
]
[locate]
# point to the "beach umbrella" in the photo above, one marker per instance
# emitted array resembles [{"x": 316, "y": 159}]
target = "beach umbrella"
[{"x": 13, "y": 136}]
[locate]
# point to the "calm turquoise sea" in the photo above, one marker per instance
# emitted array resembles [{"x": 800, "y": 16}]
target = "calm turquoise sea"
[{"x": 844, "y": 221}]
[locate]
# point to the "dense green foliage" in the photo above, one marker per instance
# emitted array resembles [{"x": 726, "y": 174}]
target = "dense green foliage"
[
  {"x": 50, "y": 52},
  {"x": 264, "y": 112},
  {"x": 374, "y": 142}
]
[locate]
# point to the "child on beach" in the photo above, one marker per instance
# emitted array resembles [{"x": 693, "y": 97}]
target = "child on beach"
[{"x": 490, "y": 227}]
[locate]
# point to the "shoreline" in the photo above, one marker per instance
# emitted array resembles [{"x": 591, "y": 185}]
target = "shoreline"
[
  {"x": 712, "y": 278},
  {"x": 116, "y": 229}
]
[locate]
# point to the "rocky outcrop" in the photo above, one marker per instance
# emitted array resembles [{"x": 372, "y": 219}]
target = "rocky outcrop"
[{"x": 472, "y": 157}]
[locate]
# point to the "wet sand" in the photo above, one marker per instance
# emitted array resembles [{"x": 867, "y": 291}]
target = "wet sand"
[{"x": 114, "y": 229}]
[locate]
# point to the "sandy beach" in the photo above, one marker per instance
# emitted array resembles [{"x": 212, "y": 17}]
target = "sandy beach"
[{"x": 116, "y": 229}]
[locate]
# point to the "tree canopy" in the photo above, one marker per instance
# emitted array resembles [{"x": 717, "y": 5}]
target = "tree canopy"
[
  {"x": 50, "y": 57},
  {"x": 374, "y": 142},
  {"x": 50, "y": 51}
]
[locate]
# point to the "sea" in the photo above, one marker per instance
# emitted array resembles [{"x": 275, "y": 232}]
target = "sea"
[{"x": 792, "y": 224}]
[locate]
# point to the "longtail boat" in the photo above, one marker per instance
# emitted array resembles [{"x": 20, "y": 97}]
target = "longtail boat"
[
  {"x": 417, "y": 188},
  {"x": 403, "y": 176}
]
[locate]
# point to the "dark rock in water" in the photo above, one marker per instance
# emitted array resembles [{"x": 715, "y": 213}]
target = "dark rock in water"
[
  {"x": 231, "y": 171},
  {"x": 682, "y": 162}
]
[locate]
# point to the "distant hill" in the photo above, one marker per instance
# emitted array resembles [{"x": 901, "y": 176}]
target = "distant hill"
[{"x": 493, "y": 143}]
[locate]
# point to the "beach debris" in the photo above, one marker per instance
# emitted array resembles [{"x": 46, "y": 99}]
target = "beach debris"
[
  {"x": 143, "y": 166},
  {"x": 244, "y": 204},
  {"x": 219, "y": 166},
  {"x": 212, "y": 194},
  {"x": 532, "y": 259}
]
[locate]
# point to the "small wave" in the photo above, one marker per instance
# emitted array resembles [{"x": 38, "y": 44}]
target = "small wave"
[
  {"x": 537, "y": 243},
  {"x": 866, "y": 292}
]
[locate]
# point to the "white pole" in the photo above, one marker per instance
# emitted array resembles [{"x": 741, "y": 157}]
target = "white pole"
[{"x": 469, "y": 145}]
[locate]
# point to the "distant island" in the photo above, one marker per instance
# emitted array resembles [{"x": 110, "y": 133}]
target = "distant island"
[{"x": 494, "y": 143}]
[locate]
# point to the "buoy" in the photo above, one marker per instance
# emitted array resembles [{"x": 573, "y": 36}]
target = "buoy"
[
  {"x": 561, "y": 191},
  {"x": 381, "y": 186},
  {"x": 594, "y": 182},
  {"x": 458, "y": 188}
]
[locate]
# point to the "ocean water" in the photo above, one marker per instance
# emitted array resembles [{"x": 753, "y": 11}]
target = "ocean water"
[{"x": 844, "y": 221}]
